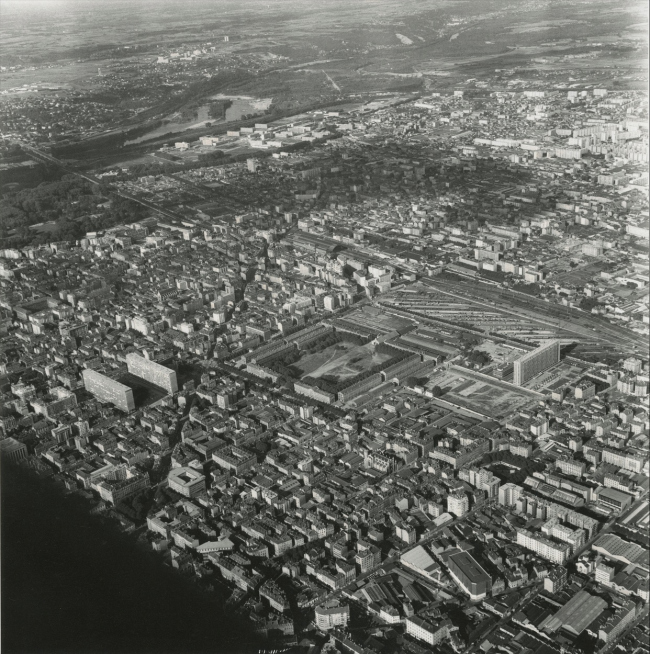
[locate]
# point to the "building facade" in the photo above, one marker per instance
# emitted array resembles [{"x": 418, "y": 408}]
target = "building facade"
[
  {"x": 426, "y": 631},
  {"x": 106, "y": 389},
  {"x": 331, "y": 615},
  {"x": 152, "y": 372},
  {"x": 532, "y": 363},
  {"x": 469, "y": 575},
  {"x": 186, "y": 481},
  {"x": 12, "y": 450},
  {"x": 458, "y": 503},
  {"x": 544, "y": 547}
]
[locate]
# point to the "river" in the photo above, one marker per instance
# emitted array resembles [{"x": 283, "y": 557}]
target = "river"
[
  {"x": 241, "y": 106},
  {"x": 73, "y": 583}
]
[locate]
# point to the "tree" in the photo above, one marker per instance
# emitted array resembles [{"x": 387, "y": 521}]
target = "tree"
[
  {"x": 479, "y": 357},
  {"x": 588, "y": 303}
]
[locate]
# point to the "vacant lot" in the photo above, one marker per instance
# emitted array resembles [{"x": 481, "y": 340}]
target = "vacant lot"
[
  {"x": 493, "y": 399},
  {"x": 583, "y": 274},
  {"x": 500, "y": 353}
]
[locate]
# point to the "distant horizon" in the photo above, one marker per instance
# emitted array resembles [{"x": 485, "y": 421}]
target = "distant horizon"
[{"x": 268, "y": 3}]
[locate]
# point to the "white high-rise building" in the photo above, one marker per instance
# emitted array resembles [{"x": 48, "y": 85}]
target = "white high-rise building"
[
  {"x": 509, "y": 494},
  {"x": 532, "y": 363},
  {"x": 458, "y": 503}
]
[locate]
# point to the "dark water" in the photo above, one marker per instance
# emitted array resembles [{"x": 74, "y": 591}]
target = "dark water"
[{"x": 72, "y": 583}]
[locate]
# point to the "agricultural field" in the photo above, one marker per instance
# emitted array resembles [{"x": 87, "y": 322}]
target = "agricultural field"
[
  {"x": 493, "y": 399},
  {"x": 341, "y": 361}
]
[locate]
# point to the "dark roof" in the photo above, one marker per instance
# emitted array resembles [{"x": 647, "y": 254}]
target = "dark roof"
[{"x": 470, "y": 567}]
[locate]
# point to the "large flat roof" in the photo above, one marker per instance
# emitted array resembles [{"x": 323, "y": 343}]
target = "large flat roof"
[
  {"x": 470, "y": 567},
  {"x": 577, "y": 614},
  {"x": 420, "y": 559}
]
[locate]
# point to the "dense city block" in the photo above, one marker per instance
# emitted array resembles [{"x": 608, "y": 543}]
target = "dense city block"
[{"x": 374, "y": 373}]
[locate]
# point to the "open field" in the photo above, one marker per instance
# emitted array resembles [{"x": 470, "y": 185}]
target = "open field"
[
  {"x": 342, "y": 361},
  {"x": 360, "y": 46},
  {"x": 49, "y": 226},
  {"x": 62, "y": 77},
  {"x": 466, "y": 389},
  {"x": 300, "y": 54}
]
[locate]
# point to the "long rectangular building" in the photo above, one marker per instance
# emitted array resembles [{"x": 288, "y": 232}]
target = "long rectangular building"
[
  {"x": 234, "y": 458},
  {"x": 152, "y": 372},
  {"x": 532, "y": 363},
  {"x": 106, "y": 389},
  {"x": 431, "y": 633},
  {"x": 469, "y": 575},
  {"x": 576, "y": 615},
  {"x": 544, "y": 547}
]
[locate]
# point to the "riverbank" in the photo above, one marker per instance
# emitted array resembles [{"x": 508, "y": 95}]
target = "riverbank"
[{"x": 72, "y": 582}]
